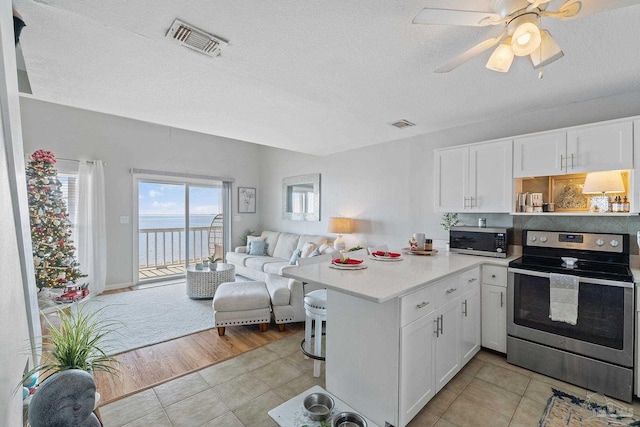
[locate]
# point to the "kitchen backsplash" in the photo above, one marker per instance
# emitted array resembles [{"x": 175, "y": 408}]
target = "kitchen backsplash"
[{"x": 595, "y": 224}]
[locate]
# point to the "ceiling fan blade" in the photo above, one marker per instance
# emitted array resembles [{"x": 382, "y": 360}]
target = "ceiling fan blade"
[
  {"x": 456, "y": 17},
  {"x": 579, "y": 8},
  {"x": 536, "y": 3},
  {"x": 471, "y": 53}
]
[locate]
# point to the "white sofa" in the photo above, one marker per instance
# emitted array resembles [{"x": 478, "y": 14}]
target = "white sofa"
[{"x": 287, "y": 295}]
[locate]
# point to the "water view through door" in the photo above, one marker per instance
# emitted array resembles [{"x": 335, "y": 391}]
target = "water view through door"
[{"x": 176, "y": 227}]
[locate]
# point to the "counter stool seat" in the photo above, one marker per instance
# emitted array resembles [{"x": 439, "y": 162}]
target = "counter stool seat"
[
  {"x": 241, "y": 303},
  {"x": 315, "y": 306}
]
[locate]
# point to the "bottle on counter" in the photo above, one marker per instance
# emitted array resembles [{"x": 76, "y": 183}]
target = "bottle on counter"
[
  {"x": 428, "y": 244},
  {"x": 626, "y": 206}
]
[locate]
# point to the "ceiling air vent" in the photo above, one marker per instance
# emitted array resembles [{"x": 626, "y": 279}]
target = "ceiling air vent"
[
  {"x": 195, "y": 39},
  {"x": 402, "y": 124}
]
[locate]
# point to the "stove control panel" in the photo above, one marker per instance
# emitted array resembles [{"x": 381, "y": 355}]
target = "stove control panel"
[{"x": 580, "y": 241}]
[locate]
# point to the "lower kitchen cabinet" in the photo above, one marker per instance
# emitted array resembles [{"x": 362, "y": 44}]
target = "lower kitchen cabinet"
[
  {"x": 494, "y": 308},
  {"x": 470, "y": 324}
]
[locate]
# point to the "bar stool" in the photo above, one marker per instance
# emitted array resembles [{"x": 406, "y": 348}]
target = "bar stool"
[{"x": 315, "y": 306}]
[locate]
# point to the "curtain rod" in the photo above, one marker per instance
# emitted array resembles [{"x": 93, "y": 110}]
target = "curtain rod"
[{"x": 76, "y": 160}]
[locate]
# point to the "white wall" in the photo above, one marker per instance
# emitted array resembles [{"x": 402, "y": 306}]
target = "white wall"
[
  {"x": 388, "y": 188},
  {"x": 125, "y": 144}
]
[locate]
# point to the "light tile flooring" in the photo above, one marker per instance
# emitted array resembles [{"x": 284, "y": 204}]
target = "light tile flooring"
[{"x": 240, "y": 391}]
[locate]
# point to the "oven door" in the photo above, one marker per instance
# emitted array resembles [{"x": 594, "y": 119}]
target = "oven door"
[{"x": 604, "y": 330}]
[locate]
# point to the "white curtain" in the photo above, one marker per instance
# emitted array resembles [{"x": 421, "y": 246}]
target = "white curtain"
[{"x": 90, "y": 229}]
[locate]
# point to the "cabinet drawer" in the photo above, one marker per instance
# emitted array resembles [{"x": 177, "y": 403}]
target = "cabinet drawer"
[
  {"x": 469, "y": 279},
  {"x": 494, "y": 275},
  {"x": 417, "y": 304}
]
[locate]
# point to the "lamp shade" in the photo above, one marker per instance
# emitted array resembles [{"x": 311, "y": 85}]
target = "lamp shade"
[
  {"x": 526, "y": 36},
  {"x": 547, "y": 52},
  {"x": 502, "y": 57},
  {"x": 340, "y": 225},
  {"x": 603, "y": 182}
]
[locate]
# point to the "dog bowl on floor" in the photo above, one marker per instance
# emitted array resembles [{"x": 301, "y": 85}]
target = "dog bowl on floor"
[
  {"x": 318, "y": 406},
  {"x": 348, "y": 419}
]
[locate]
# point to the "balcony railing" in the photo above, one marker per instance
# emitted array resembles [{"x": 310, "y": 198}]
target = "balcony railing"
[{"x": 165, "y": 248}]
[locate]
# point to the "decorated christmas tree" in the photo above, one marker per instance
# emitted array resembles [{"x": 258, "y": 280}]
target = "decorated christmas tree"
[{"x": 53, "y": 250}]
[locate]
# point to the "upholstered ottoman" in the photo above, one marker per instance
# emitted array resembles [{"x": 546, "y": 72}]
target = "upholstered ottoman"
[{"x": 241, "y": 303}]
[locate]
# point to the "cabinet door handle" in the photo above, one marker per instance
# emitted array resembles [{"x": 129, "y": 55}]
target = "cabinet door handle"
[
  {"x": 464, "y": 303},
  {"x": 501, "y": 298},
  {"x": 571, "y": 160},
  {"x": 451, "y": 290},
  {"x": 472, "y": 279},
  {"x": 493, "y": 276},
  {"x": 561, "y": 161},
  {"x": 422, "y": 304},
  {"x": 441, "y": 325},
  {"x": 437, "y": 331}
]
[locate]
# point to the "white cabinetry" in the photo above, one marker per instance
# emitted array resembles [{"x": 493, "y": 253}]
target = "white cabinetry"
[
  {"x": 439, "y": 341},
  {"x": 581, "y": 149},
  {"x": 494, "y": 307},
  {"x": 475, "y": 178}
]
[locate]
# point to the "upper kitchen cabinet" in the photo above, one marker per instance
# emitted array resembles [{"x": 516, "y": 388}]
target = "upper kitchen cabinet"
[
  {"x": 577, "y": 150},
  {"x": 474, "y": 178}
]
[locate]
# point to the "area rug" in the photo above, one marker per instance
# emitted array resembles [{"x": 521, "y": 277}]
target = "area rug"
[
  {"x": 565, "y": 410},
  {"x": 150, "y": 316}
]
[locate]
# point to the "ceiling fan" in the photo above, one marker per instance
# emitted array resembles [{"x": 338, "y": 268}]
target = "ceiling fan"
[{"x": 521, "y": 35}]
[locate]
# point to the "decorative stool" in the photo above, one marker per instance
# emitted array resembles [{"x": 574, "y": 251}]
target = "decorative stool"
[
  {"x": 315, "y": 306},
  {"x": 241, "y": 303}
]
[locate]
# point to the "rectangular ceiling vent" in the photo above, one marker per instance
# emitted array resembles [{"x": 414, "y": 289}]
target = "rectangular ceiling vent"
[
  {"x": 196, "y": 39},
  {"x": 402, "y": 124}
]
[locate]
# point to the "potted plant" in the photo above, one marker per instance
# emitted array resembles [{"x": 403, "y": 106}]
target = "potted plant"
[
  {"x": 213, "y": 262},
  {"x": 75, "y": 341},
  {"x": 449, "y": 220}
]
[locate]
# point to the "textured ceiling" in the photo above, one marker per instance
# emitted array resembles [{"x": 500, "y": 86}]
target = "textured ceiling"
[{"x": 311, "y": 76}]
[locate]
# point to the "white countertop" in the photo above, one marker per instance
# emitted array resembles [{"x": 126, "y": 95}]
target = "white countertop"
[{"x": 382, "y": 281}]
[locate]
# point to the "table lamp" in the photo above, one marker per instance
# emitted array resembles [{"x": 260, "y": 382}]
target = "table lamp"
[
  {"x": 340, "y": 226},
  {"x": 601, "y": 183}
]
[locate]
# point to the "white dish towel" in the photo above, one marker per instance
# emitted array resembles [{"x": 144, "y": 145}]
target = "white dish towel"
[{"x": 563, "y": 298}]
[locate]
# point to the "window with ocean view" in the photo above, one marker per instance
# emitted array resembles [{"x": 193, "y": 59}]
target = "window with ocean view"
[{"x": 174, "y": 222}]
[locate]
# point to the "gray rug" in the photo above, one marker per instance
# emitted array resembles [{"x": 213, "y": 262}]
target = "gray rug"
[{"x": 150, "y": 316}]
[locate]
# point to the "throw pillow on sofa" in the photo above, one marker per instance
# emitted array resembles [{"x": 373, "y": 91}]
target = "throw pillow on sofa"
[
  {"x": 295, "y": 256},
  {"x": 258, "y": 247},
  {"x": 315, "y": 252},
  {"x": 306, "y": 250},
  {"x": 251, "y": 239}
]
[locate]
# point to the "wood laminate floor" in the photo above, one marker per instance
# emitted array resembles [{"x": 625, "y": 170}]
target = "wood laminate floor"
[{"x": 147, "y": 367}]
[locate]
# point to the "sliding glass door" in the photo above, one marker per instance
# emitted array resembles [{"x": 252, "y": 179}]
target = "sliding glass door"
[{"x": 178, "y": 224}]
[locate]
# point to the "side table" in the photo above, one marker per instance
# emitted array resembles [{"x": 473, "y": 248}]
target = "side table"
[{"x": 203, "y": 283}]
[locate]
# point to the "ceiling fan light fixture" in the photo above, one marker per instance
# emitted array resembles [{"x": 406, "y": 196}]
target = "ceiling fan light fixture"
[
  {"x": 547, "y": 52},
  {"x": 502, "y": 57},
  {"x": 526, "y": 37}
]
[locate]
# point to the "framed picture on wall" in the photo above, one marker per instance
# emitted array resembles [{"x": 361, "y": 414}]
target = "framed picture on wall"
[{"x": 246, "y": 200}]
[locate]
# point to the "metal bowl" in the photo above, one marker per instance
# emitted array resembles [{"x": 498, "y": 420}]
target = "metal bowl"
[
  {"x": 348, "y": 419},
  {"x": 318, "y": 406}
]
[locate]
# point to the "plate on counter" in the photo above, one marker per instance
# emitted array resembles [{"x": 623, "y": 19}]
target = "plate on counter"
[
  {"x": 348, "y": 266},
  {"x": 392, "y": 257},
  {"x": 410, "y": 252}
]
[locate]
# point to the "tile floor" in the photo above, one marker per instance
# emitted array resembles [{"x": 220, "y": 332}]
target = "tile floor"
[{"x": 240, "y": 391}]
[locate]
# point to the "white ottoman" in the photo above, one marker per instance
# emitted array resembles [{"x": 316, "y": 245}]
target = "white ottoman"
[{"x": 241, "y": 303}]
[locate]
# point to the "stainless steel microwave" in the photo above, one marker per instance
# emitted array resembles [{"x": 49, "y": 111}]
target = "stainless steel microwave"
[{"x": 483, "y": 241}]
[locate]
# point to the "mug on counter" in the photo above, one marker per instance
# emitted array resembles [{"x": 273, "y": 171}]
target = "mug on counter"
[{"x": 420, "y": 238}]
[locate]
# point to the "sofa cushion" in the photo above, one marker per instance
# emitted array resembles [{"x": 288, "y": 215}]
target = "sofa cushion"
[
  {"x": 237, "y": 258},
  {"x": 287, "y": 243},
  {"x": 271, "y": 239},
  {"x": 258, "y": 262}
]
